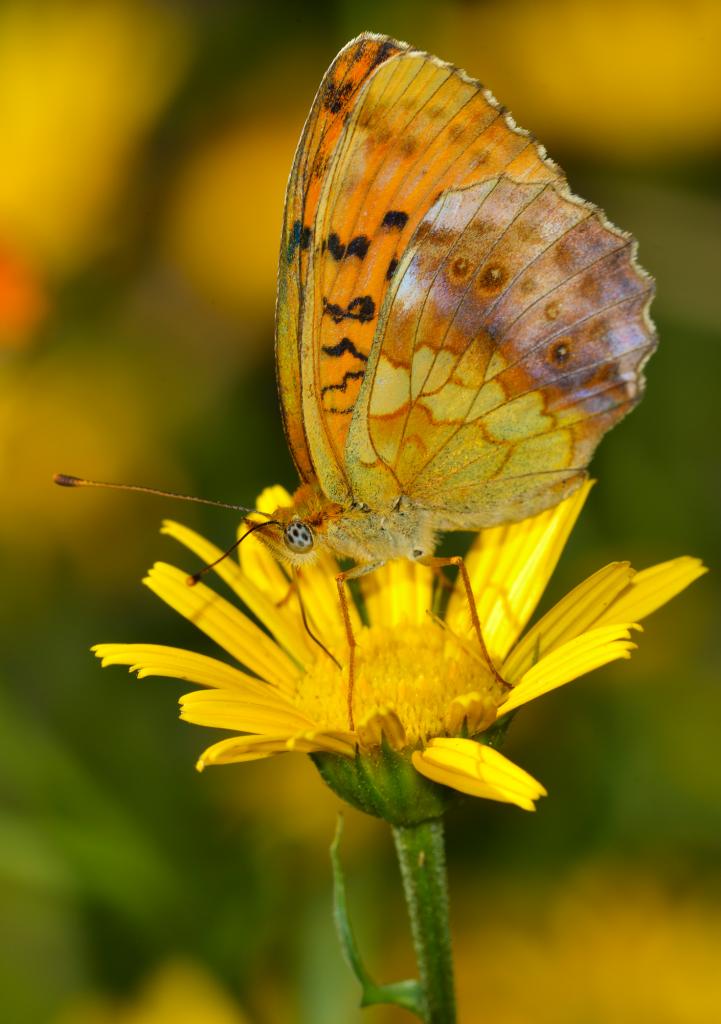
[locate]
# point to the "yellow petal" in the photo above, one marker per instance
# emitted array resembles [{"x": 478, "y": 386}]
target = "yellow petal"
[
  {"x": 509, "y": 567},
  {"x": 577, "y": 657},
  {"x": 317, "y": 586},
  {"x": 238, "y": 749},
  {"x": 251, "y": 748},
  {"x": 223, "y": 709},
  {"x": 651, "y": 588},
  {"x": 272, "y": 498},
  {"x": 331, "y": 741},
  {"x": 320, "y": 598},
  {"x": 261, "y": 568},
  {"x": 399, "y": 593},
  {"x": 475, "y": 711},
  {"x": 379, "y": 725},
  {"x": 283, "y": 621},
  {"x": 478, "y": 770},
  {"x": 577, "y": 612},
  {"x": 317, "y": 578},
  {"x": 488, "y": 763},
  {"x": 225, "y": 624},
  {"x": 255, "y": 558},
  {"x": 174, "y": 663}
]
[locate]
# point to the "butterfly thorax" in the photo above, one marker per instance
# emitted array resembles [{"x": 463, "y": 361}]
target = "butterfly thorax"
[
  {"x": 370, "y": 537},
  {"x": 365, "y": 535}
]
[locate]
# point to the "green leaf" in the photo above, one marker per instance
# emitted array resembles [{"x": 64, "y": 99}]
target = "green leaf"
[{"x": 406, "y": 994}]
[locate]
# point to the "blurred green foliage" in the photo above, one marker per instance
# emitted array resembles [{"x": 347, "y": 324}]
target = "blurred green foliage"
[{"x": 143, "y": 158}]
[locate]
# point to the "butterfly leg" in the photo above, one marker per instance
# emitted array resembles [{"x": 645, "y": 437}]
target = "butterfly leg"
[
  {"x": 443, "y": 580},
  {"x": 440, "y": 563},
  {"x": 341, "y": 579}
]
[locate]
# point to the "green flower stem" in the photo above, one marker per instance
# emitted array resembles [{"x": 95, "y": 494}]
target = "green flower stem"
[{"x": 421, "y": 856}]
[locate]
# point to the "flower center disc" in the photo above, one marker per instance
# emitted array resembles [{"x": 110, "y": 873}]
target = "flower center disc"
[{"x": 416, "y": 671}]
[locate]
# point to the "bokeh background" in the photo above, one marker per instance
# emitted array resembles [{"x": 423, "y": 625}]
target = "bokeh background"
[{"x": 144, "y": 150}]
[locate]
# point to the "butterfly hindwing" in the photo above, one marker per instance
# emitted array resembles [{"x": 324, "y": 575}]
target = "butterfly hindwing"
[{"x": 512, "y": 339}]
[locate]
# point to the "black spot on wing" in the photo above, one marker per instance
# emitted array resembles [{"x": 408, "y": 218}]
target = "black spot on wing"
[
  {"x": 391, "y": 268},
  {"x": 293, "y": 240},
  {"x": 362, "y": 308},
  {"x": 386, "y": 50},
  {"x": 343, "y": 346},
  {"x": 335, "y": 247},
  {"x": 395, "y": 219},
  {"x": 358, "y": 246},
  {"x": 336, "y": 96},
  {"x": 343, "y": 386}
]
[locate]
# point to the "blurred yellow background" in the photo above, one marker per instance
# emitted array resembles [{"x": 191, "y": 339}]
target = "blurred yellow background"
[{"x": 144, "y": 150}]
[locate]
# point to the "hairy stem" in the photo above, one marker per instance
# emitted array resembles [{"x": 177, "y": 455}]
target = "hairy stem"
[{"x": 421, "y": 856}]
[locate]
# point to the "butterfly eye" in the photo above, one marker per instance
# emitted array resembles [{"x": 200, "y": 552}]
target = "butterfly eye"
[{"x": 299, "y": 536}]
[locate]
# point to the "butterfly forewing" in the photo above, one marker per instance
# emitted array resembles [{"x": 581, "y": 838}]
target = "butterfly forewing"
[{"x": 364, "y": 176}]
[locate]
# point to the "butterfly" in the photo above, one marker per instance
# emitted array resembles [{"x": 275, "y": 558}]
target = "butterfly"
[{"x": 455, "y": 330}]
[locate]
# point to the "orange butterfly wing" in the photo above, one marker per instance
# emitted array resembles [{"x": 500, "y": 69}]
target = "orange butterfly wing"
[{"x": 413, "y": 330}]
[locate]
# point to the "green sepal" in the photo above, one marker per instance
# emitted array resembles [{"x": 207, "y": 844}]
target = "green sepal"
[
  {"x": 495, "y": 735},
  {"x": 384, "y": 783},
  {"x": 406, "y": 994}
]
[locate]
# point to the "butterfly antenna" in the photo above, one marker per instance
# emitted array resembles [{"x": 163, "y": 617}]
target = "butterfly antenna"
[
  {"x": 64, "y": 480},
  {"x": 197, "y": 576}
]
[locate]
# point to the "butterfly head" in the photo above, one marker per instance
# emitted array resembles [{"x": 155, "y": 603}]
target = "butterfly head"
[
  {"x": 290, "y": 538},
  {"x": 298, "y": 537},
  {"x": 297, "y": 533}
]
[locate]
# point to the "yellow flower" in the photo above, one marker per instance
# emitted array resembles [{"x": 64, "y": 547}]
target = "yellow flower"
[
  {"x": 81, "y": 85},
  {"x": 624, "y": 80},
  {"x": 426, "y": 704},
  {"x": 221, "y": 196},
  {"x": 604, "y": 945},
  {"x": 178, "y": 992}
]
